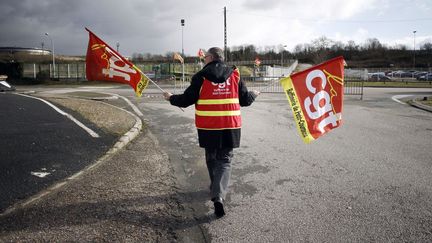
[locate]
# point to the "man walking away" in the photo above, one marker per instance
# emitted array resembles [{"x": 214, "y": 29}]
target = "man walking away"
[{"x": 217, "y": 92}]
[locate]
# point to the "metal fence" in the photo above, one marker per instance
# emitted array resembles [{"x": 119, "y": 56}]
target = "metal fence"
[
  {"x": 266, "y": 82},
  {"x": 353, "y": 82},
  {"x": 64, "y": 71},
  {"x": 272, "y": 85},
  {"x": 285, "y": 62},
  {"x": 354, "y": 87}
]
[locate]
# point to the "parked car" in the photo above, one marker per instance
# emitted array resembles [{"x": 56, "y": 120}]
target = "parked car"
[
  {"x": 427, "y": 77},
  {"x": 419, "y": 73},
  {"x": 408, "y": 74},
  {"x": 378, "y": 77},
  {"x": 395, "y": 74}
]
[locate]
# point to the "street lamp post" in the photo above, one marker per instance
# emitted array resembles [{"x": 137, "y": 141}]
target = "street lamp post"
[
  {"x": 182, "y": 21},
  {"x": 52, "y": 47},
  {"x": 283, "y": 49},
  {"x": 414, "y": 64}
]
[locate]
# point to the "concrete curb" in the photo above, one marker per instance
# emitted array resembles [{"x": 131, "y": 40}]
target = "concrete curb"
[
  {"x": 129, "y": 135},
  {"x": 419, "y": 105},
  {"x": 121, "y": 143}
]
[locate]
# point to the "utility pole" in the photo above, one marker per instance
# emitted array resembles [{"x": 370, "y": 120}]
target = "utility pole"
[
  {"x": 283, "y": 49},
  {"x": 182, "y": 21},
  {"x": 52, "y": 48},
  {"x": 225, "y": 32},
  {"x": 414, "y": 32}
]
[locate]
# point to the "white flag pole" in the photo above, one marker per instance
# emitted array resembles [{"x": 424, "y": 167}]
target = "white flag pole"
[{"x": 162, "y": 90}]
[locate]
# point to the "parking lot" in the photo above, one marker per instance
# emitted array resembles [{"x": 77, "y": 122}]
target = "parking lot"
[{"x": 400, "y": 75}]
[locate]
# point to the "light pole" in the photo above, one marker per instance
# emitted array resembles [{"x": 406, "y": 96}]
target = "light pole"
[
  {"x": 414, "y": 32},
  {"x": 182, "y": 21},
  {"x": 283, "y": 49},
  {"x": 52, "y": 47}
]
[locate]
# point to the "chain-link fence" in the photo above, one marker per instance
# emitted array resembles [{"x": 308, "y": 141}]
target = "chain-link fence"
[
  {"x": 265, "y": 78},
  {"x": 353, "y": 82},
  {"x": 63, "y": 71}
]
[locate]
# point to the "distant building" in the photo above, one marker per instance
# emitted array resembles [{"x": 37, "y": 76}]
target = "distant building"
[
  {"x": 34, "y": 55},
  {"x": 23, "y": 54}
]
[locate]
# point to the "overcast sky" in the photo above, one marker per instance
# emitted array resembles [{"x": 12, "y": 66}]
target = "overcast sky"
[{"x": 153, "y": 26}]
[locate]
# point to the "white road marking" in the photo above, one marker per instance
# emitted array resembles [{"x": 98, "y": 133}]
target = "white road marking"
[
  {"x": 122, "y": 142},
  {"x": 88, "y": 130},
  {"x": 5, "y": 84},
  {"x": 137, "y": 111},
  {"x": 397, "y": 97},
  {"x": 40, "y": 174},
  {"x": 134, "y": 108}
]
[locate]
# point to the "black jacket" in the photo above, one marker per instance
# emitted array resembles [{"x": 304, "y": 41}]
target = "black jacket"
[{"x": 217, "y": 72}]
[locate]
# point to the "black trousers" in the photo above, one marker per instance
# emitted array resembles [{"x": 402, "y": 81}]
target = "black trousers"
[{"x": 219, "y": 167}]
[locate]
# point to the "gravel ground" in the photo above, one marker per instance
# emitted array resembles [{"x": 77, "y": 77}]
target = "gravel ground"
[{"x": 130, "y": 196}]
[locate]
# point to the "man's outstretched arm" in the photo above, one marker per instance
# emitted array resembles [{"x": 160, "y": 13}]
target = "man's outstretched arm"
[{"x": 190, "y": 95}]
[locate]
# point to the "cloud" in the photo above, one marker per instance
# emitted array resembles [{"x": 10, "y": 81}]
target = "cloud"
[
  {"x": 329, "y": 10},
  {"x": 409, "y": 41},
  {"x": 293, "y": 22},
  {"x": 154, "y": 26},
  {"x": 262, "y": 4}
]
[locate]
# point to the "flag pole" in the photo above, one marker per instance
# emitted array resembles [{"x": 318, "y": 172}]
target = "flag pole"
[
  {"x": 162, "y": 90},
  {"x": 183, "y": 76},
  {"x": 157, "y": 86}
]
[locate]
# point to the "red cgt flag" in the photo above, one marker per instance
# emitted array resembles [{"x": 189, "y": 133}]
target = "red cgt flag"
[
  {"x": 104, "y": 64},
  {"x": 316, "y": 98}
]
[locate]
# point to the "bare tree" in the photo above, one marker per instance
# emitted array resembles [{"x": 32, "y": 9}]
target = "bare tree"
[
  {"x": 351, "y": 46},
  {"x": 372, "y": 44},
  {"x": 427, "y": 46},
  {"x": 321, "y": 47}
]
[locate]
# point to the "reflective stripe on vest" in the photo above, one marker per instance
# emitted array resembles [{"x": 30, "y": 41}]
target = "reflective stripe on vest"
[
  {"x": 218, "y": 105},
  {"x": 218, "y": 101},
  {"x": 217, "y": 113}
]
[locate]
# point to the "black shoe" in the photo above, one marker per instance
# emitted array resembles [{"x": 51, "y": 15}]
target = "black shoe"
[{"x": 219, "y": 208}]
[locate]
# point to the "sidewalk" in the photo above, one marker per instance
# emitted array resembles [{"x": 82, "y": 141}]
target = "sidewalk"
[{"x": 129, "y": 194}]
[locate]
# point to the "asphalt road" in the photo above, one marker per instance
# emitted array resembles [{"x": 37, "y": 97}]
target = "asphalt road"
[
  {"x": 369, "y": 180},
  {"x": 39, "y": 147}
]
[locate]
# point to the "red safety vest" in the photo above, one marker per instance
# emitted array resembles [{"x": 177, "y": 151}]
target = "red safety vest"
[{"x": 218, "y": 105}]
